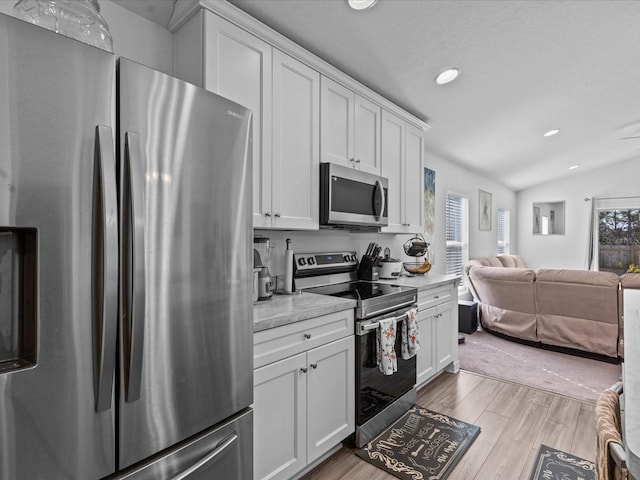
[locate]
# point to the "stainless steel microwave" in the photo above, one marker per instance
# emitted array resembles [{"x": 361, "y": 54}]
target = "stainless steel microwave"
[{"x": 352, "y": 198}]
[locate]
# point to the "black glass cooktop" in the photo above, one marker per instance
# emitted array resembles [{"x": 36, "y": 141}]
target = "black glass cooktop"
[{"x": 359, "y": 290}]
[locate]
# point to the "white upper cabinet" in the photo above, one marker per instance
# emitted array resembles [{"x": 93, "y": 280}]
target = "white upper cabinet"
[
  {"x": 414, "y": 179},
  {"x": 305, "y": 111},
  {"x": 402, "y": 159},
  {"x": 226, "y": 59},
  {"x": 393, "y": 129},
  {"x": 295, "y": 172},
  {"x": 367, "y": 135},
  {"x": 350, "y": 128},
  {"x": 337, "y": 123}
]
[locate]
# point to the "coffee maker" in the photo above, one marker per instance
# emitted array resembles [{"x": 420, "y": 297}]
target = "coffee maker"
[{"x": 263, "y": 248}]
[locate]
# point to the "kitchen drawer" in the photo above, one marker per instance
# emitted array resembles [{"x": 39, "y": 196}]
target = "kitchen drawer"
[
  {"x": 434, "y": 296},
  {"x": 282, "y": 342}
]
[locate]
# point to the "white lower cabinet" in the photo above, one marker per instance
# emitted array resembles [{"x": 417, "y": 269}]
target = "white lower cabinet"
[
  {"x": 438, "y": 326},
  {"x": 279, "y": 418},
  {"x": 304, "y": 404}
]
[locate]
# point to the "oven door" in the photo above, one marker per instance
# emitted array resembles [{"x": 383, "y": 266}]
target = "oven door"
[
  {"x": 376, "y": 391},
  {"x": 352, "y": 197}
]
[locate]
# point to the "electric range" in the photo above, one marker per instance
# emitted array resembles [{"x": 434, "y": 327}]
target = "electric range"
[{"x": 380, "y": 399}]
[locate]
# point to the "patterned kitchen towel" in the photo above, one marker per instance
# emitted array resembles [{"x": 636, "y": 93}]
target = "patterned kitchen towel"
[
  {"x": 410, "y": 335},
  {"x": 386, "y": 333}
]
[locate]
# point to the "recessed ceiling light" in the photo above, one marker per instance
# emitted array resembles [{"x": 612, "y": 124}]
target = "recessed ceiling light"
[
  {"x": 361, "y": 4},
  {"x": 551, "y": 133},
  {"x": 573, "y": 167},
  {"x": 447, "y": 76}
]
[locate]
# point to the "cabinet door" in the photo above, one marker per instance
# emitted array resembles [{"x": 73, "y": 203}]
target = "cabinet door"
[
  {"x": 393, "y": 133},
  {"x": 414, "y": 180},
  {"x": 337, "y": 123},
  {"x": 238, "y": 67},
  {"x": 296, "y": 149},
  {"x": 367, "y": 135},
  {"x": 331, "y": 395},
  {"x": 446, "y": 336},
  {"x": 425, "y": 358},
  {"x": 280, "y": 425}
]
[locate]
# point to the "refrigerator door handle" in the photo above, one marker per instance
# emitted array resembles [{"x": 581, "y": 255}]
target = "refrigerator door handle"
[
  {"x": 216, "y": 453},
  {"x": 133, "y": 330},
  {"x": 105, "y": 267}
]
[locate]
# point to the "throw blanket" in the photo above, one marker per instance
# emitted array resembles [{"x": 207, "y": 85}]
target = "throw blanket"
[
  {"x": 608, "y": 430},
  {"x": 410, "y": 335},
  {"x": 386, "y": 333}
]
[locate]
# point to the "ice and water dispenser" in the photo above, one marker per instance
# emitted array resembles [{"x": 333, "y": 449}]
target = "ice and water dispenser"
[{"x": 18, "y": 293}]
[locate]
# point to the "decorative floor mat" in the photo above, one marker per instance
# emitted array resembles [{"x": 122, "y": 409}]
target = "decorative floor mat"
[
  {"x": 551, "y": 463},
  {"x": 421, "y": 445}
]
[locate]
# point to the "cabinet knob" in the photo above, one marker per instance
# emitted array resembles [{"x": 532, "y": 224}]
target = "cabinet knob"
[
  {"x": 307, "y": 336},
  {"x": 278, "y": 215},
  {"x": 267, "y": 214},
  {"x": 303, "y": 370},
  {"x": 314, "y": 365},
  {"x": 358, "y": 161},
  {"x": 435, "y": 297}
]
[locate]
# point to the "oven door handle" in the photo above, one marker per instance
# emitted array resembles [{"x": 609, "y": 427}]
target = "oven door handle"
[
  {"x": 362, "y": 329},
  {"x": 395, "y": 307}
]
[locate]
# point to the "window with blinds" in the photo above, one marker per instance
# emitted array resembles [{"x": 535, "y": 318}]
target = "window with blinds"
[
  {"x": 457, "y": 243},
  {"x": 504, "y": 230}
]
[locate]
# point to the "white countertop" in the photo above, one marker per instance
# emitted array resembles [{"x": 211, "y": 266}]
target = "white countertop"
[
  {"x": 284, "y": 309},
  {"x": 423, "y": 282}
]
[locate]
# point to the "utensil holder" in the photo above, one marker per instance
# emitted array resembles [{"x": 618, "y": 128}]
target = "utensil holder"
[{"x": 365, "y": 269}]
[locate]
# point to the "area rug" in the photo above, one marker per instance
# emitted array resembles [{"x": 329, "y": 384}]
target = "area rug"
[
  {"x": 421, "y": 445},
  {"x": 562, "y": 373},
  {"x": 555, "y": 464}
]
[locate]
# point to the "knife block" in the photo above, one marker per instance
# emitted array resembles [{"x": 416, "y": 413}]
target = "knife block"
[{"x": 366, "y": 271}]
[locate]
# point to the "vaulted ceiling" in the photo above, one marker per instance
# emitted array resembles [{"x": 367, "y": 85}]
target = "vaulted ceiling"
[{"x": 527, "y": 66}]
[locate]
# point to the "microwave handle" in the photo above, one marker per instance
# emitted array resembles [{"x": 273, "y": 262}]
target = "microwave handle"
[{"x": 380, "y": 191}]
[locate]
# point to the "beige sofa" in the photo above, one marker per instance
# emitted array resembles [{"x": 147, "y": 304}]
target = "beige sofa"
[{"x": 575, "y": 309}]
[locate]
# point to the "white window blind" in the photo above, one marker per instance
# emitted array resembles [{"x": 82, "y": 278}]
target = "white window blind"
[
  {"x": 457, "y": 242},
  {"x": 504, "y": 229}
]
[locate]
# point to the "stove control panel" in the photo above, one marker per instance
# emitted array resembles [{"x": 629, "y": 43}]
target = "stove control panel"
[{"x": 307, "y": 264}]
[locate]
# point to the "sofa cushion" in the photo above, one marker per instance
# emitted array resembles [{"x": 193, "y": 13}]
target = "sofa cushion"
[
  {"x": 578, "y": 293},
  {"x": 507, "y": 261},
  {"x": 578, "y": 309},
  {"x": 505, "y": 288},
  {"x": 494, "y": 262},
  {"x": 506, "y": 300},
  {"x": 519, "y": 261},
  {"x": 630, "y": 280}
]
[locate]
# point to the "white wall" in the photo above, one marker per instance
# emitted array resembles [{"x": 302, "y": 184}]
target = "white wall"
[
  {"x": 570, "y": 250},
  {"x": 134, "y": 37},
  {"x": 449, "y": 178}
]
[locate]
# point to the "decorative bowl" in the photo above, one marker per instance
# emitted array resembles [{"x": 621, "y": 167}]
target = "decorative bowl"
[{"x": 417, "y": 268}]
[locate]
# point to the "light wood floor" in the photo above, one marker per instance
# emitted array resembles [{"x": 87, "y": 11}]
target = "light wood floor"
[{"x": 514, "y": 421}]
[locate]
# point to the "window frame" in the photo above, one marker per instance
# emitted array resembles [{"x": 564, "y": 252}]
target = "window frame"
[
  {"x": 461, "y": 243},
  {"x": 503, "y": 227}
]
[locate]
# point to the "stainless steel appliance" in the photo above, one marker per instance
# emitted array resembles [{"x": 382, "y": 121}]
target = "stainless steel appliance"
[
  {"x": 266, "y": 282},
  {"x": 125, "y": 274},
  {"x": 352, "y": 198},
  {"x": 380, "y": 399}
]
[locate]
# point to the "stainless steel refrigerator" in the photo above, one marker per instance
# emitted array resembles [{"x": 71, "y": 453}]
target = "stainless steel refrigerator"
[{"x": 125, "y": 252}]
